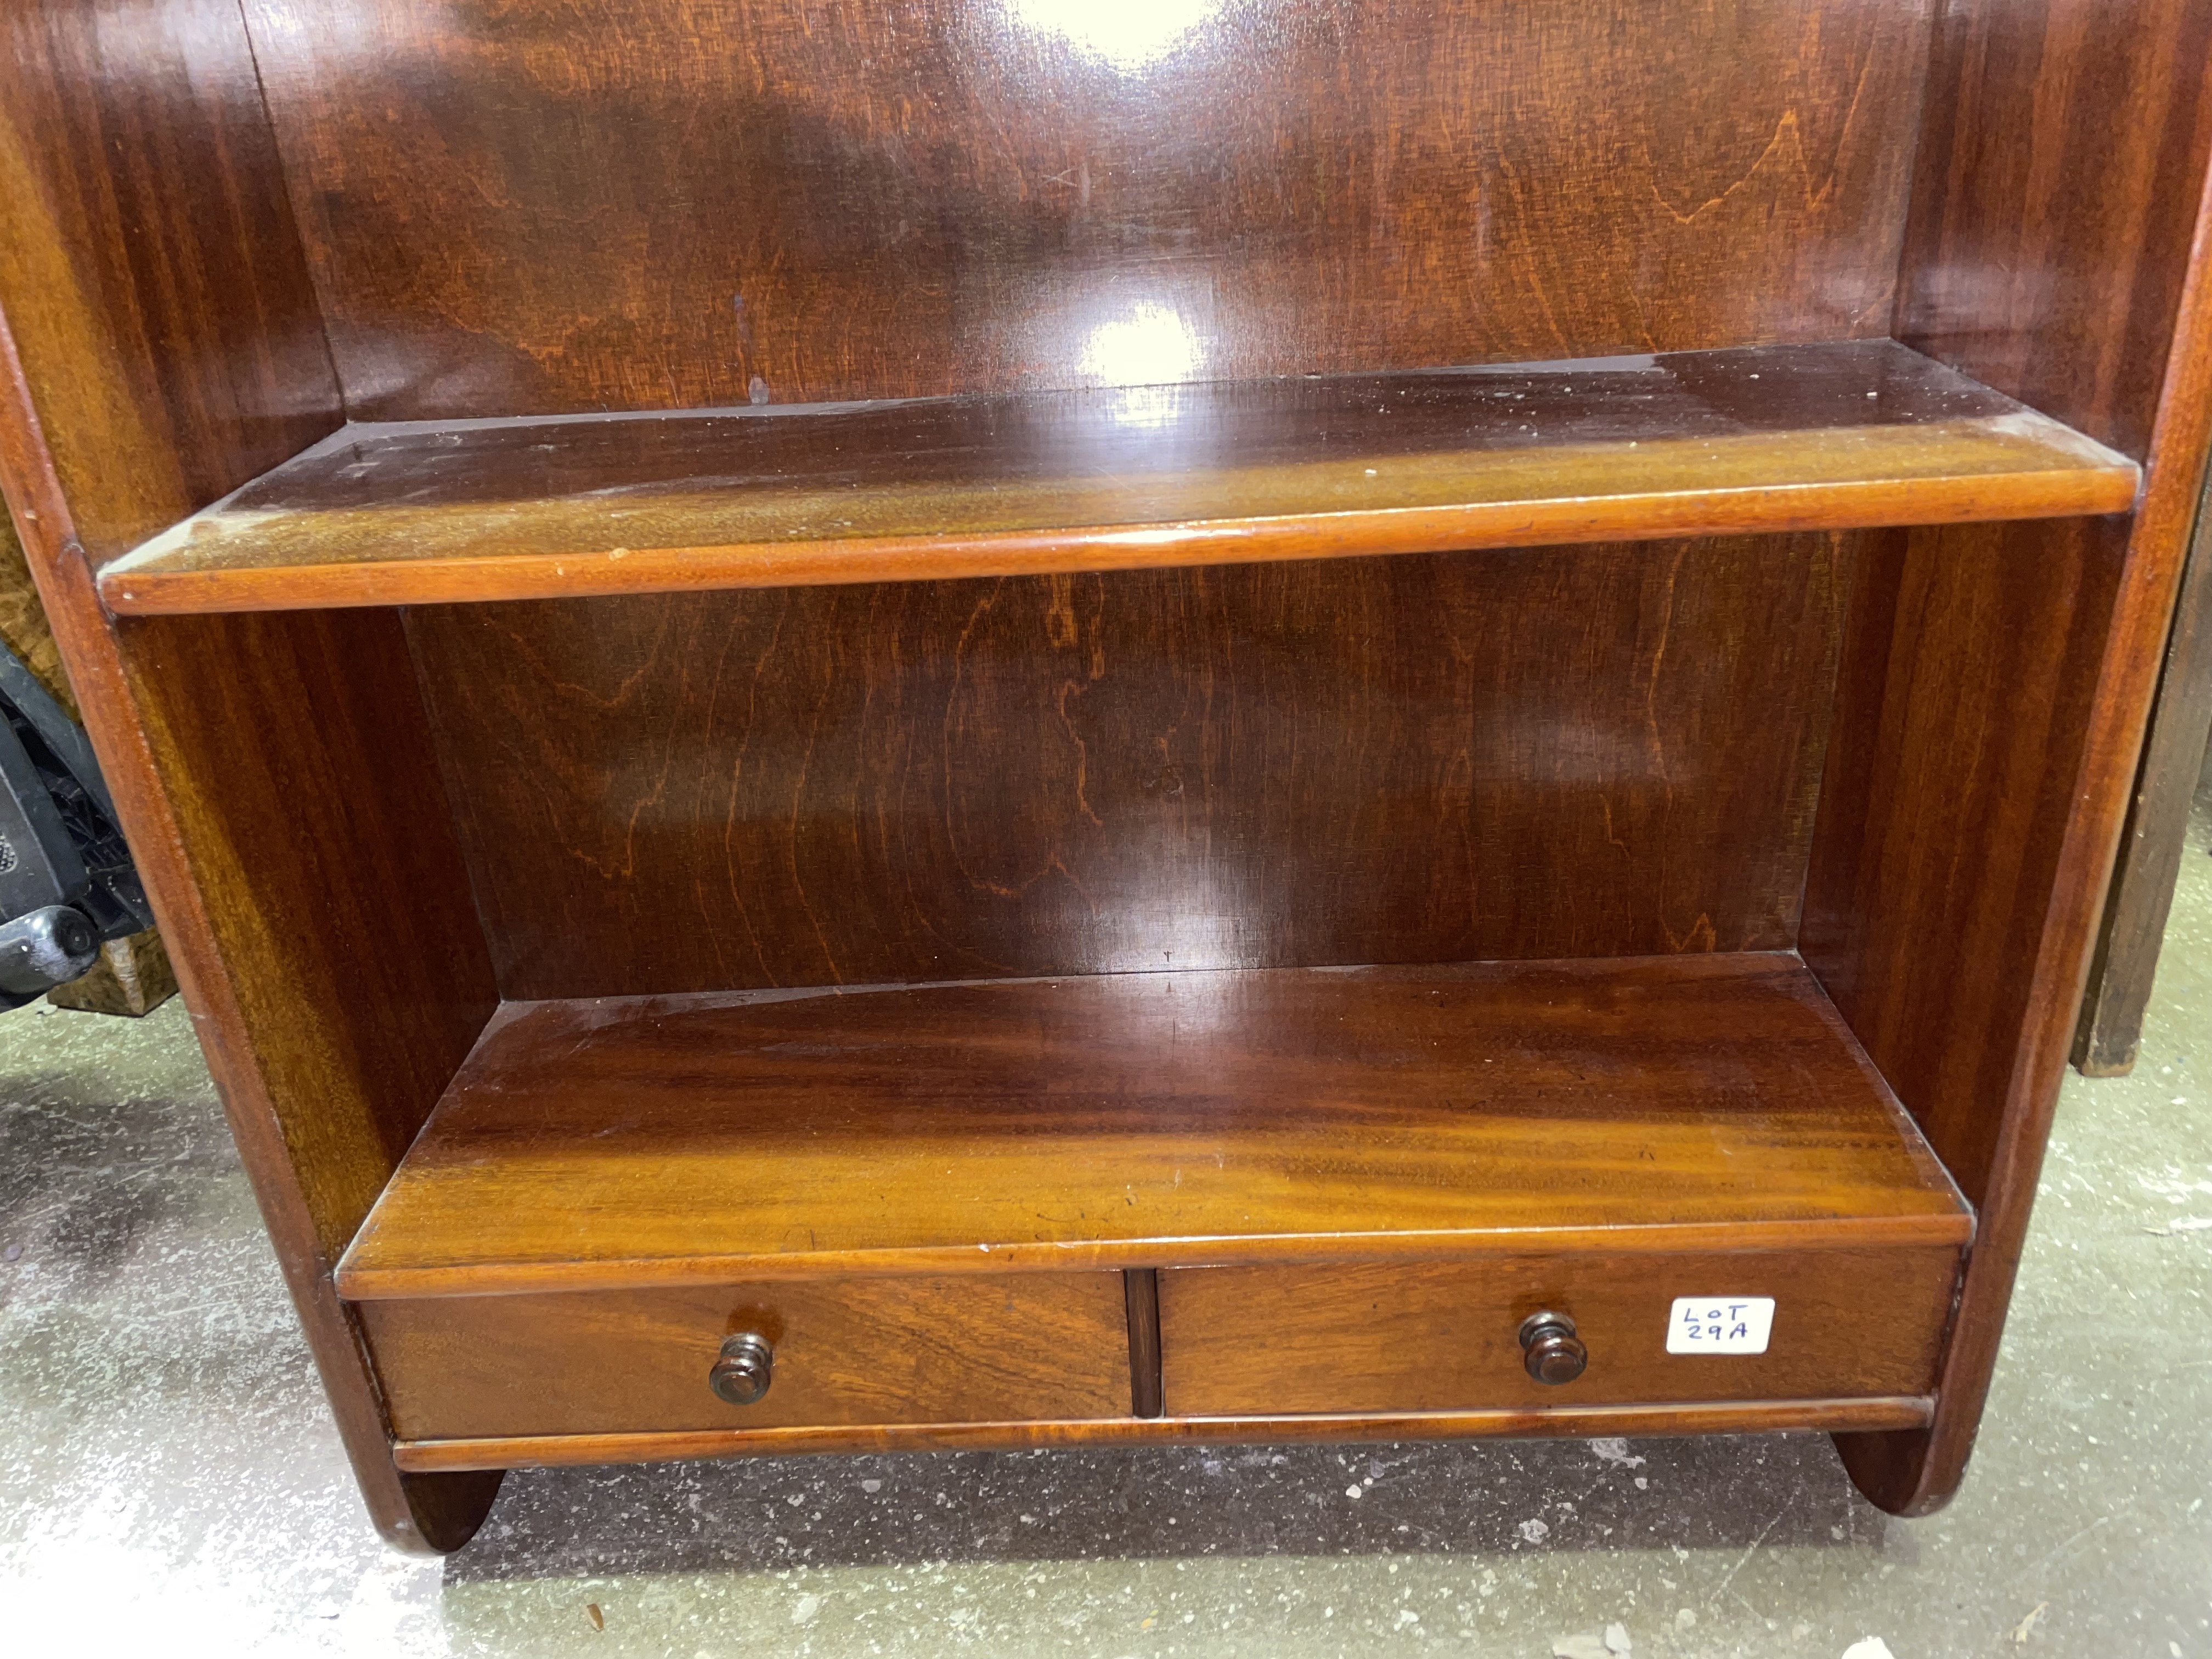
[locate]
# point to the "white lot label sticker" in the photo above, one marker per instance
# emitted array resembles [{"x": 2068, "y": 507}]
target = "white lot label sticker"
[{"x": 1720, "y": 1324}]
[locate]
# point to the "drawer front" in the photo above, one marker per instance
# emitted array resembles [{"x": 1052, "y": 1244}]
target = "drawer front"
[
  {"x": 1444, "y": 1336},
  {"x": 979, "y": 1348}
]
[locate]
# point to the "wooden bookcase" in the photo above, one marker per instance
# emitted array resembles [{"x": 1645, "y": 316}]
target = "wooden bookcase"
[{"x": 1092, "y": 724}]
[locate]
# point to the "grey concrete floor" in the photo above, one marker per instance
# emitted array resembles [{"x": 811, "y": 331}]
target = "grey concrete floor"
[{"x": 169, "y": 1479}]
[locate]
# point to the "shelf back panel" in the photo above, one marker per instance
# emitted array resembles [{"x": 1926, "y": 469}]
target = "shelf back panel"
[
  {"x": 547, "y": 206},
  {"x": 1610, "y": 749}
]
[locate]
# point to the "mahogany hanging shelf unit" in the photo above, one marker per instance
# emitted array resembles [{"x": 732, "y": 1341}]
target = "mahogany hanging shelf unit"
[{"x": 901, "y": 724}]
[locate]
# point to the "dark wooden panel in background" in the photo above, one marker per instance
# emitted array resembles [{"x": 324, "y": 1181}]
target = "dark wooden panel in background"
[
  {"x": 1595, "y": 751},
  {"x": 541, "y": 206},
  {"x": 1971, "y": 658},
  {"x": 298, "y": 768}
]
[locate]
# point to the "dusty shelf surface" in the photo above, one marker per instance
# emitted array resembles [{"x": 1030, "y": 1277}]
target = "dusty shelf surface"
[{"x": 1757, "y": 438}]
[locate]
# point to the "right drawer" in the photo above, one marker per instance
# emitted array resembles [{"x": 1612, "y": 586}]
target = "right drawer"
[{"x": 1428, "y": 1336}]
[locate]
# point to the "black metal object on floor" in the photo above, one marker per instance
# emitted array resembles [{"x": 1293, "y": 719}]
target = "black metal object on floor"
[{"x": 66, "y": 879}]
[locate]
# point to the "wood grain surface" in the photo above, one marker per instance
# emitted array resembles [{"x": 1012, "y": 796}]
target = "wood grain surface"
[
  {"x": 1799, "y": 437},
  {"x": 1611, "y": 751},
  {"x": 299, "y": 773},
  {"x": 162, "y": 345},
  {"x": 507, "y": 208},
  {"x": 1444, "y": 1335},
  {"x": 1730, "y": 1417},
  {"x": 1988, "y": 725},
  {"x": 847, "y": 1351},
  {"x": 2063, "y": 153},
  {"x": 153, "y": 276},
  {"x": 548, "y": 206},
  {"x": 1928, "y": 950},
  {"x": 1150, "y": 1119}
]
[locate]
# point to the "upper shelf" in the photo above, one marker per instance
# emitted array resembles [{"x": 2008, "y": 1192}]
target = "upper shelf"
[{"x": 1695, "y": 443}]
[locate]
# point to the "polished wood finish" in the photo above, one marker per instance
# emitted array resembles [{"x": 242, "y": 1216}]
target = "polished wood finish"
[
  {"x": 1443, "y": 1336},
  {"x": 235, "y": 231},
  {"x": 2049, "y": 244},
  {"x": 1945, "y": 627},
  {"x": 1421, "y": 759},
  {"x": 1728, "y": 1416},
  {"x": 2125, "y": 961},
  {"x": 302, "y": 795},
  {"x": 298, "y": 772},
  {"x": 160, "y": 344},
  {"x": 550, "y": 206},
  {"x": 1994, "y": 699},
  {"x": 170, "y": 341},
  {"x": 848, "y": 1352},
  {"x": 1146, "y": 1119},
  {"x": 1795, "y": 438}
]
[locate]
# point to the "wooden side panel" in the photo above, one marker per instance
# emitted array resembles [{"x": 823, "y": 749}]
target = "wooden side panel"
[
  {"x": 1602, "y": 751},
  {"x": 1970, "y": 663},
  {"x": 151, "y": 270},
  {"x": 545, "y": 205},
  {"x": 1997, "y": 679},
  {"x": 2054, "y": 202},
  {"x": 2126, "y": 962},
  {"x": 1006, "y": 1348},
  {"x": 1444, "y": 1335},
  {"x": 160, "y": 346},
  {"x": 297, "y": 763}
]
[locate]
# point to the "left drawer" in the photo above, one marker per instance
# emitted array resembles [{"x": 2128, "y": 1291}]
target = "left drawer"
[{"x": 976, "y": 1348}]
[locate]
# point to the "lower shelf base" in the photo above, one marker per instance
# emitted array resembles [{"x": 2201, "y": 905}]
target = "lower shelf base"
[{"x": 1722, "y": 1417}]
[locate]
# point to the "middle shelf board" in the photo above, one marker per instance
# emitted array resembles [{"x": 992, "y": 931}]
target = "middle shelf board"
[
  {"x": 1142, "y": 1120},
  {"x": 1766, "y": 438}
]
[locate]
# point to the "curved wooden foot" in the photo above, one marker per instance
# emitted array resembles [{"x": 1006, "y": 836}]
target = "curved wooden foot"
[
  {"x": 1903, "y": 1471},
  {"x": 436, "y": 1514}
]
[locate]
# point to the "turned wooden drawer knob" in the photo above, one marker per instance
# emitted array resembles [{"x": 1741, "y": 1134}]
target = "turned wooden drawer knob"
[
  {"x": 741, "y": 1376},
  {"x": 1551, "y": 1350}
]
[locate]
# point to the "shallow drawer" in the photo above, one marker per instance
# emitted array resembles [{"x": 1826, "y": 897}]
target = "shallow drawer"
[
  {"x": 979, "y": 1348},
  {"x": 1444, "y": 1336}
]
